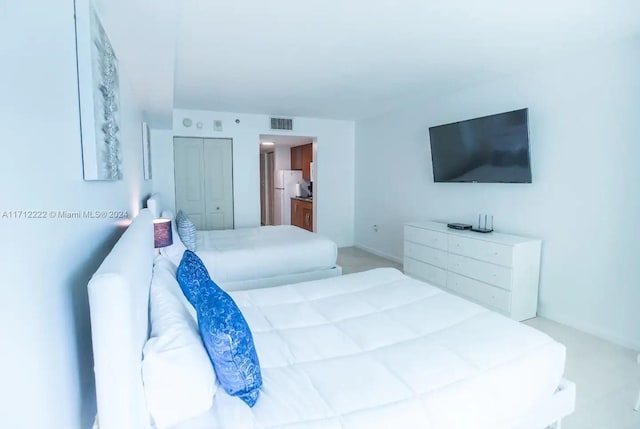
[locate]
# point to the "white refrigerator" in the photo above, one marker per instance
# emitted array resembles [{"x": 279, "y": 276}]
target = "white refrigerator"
[{"x": 285, "y": 188}]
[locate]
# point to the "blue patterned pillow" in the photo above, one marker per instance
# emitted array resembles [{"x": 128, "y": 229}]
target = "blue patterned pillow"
[
  {"x": 187, "y": 231},
  {"x": 191, "y": 275},
  {"x": 228, "y": 340}
]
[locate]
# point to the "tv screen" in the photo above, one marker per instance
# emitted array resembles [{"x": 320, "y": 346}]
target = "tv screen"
[{"x": 491, "y": 149}]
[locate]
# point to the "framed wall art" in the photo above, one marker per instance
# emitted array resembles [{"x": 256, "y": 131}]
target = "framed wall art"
[
  {"x": 146, "y": 151},
  {"x": 98, "y": 90}
]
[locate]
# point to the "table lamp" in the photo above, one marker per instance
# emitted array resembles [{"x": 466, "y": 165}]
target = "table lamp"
[{"x": 162, "y": 234}]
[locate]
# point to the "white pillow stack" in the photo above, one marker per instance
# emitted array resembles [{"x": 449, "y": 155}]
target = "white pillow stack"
[
  {"x": 187, "y": 231},
  {"x": 178, "y": 377}
]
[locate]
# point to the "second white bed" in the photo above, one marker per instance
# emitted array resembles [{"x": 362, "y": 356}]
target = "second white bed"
[
  {"x": 379, "y": 349},
  {"x": 252, "y": 257}
]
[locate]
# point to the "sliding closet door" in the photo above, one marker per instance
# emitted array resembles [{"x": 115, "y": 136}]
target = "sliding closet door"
[
  {"x": 204, "y": 181},
  {"x": 189, "y": 177},
  {"x": 218, "y": 161}
]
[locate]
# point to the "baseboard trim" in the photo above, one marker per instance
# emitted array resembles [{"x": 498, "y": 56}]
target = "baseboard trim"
[
  {"x": 378, "y": 253},
  {"x": 588, "y": 328}
]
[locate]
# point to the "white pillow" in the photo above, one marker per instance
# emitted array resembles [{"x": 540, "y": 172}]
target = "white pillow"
[
  {"x": 179, "y": 380},
  {"x": 175, "y": 251}
]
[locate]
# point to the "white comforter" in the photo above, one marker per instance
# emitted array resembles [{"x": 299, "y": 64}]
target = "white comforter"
[
  {"x": 267, "y": 251},
  {"x": 381, "y": 350}
]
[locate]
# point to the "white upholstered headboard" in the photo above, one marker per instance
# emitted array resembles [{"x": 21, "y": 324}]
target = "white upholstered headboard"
[
  {"x": 119, "y": 306},
  {"x": 153, "y": 204}
]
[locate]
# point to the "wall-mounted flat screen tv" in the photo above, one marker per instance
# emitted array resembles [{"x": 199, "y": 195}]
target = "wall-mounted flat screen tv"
[{"x": 491, "y": 149}]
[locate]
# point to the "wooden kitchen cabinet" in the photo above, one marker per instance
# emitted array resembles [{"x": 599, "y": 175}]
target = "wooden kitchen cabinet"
[
  {"x": 296, "y": 213},
  {"x": 301, "y": 159},
  {"x": 307, "y": 217},
  {"x": 302, "y": 214},
  {"x": 296, "y": 158},
  {"x": 307, "y": 158}
]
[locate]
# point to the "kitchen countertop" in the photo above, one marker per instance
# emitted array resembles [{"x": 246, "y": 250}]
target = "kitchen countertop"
[{"x": 309, "y": 199}]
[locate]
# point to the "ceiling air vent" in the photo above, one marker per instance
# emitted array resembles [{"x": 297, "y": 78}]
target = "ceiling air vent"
[{"x": 281, "y": 124}]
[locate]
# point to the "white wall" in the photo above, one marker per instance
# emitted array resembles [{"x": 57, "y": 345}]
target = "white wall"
[
  {"x": 46, "y": 359},
  {"x": 584, "y": 203},
  {"x": 162, "y": 167},
  {"x": 334, "y": 165}
]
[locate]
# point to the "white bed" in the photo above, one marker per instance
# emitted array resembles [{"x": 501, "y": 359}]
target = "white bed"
[
  {"x": 379, "y": 349},
  {"x": 266, "y": 256},
  {"x": 248, "y": 258},
  {"x": 369, "y": 350}
]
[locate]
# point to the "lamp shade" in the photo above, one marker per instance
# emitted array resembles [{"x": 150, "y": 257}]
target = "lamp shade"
[{"x": 162, "y": 234}]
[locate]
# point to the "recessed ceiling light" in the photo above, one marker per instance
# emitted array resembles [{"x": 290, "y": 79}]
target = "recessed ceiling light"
[{"x": 268, "y": 143}]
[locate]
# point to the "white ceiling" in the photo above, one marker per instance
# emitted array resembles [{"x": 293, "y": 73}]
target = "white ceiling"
[{"x": 351, "y": 59}]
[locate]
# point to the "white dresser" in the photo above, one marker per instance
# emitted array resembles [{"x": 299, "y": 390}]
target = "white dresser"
[{"x": 499, "y": 271}]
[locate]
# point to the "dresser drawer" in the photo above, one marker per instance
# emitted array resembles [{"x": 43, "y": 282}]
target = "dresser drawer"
[
  {"x": 426, "y": 237},
  {"x": 429, "y": 273},
  {"x": 426, "y": 254},
  {"x": 483, "y": 271},
  {"x": 485, "y": 294},
  {"x": 480, "y": 249}
]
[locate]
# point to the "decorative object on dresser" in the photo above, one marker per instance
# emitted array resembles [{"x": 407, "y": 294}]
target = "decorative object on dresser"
[
  {"x": 486, "y": 229},
  {"x": 98, "y": 90},
  {"x": 499, "y": 271}
]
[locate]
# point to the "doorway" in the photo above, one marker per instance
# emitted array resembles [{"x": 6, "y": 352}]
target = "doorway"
[
  {"x": 287, "y": 180},
  {"x": 267, "y": 165},
  {"x": 203, "y": 170}
]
